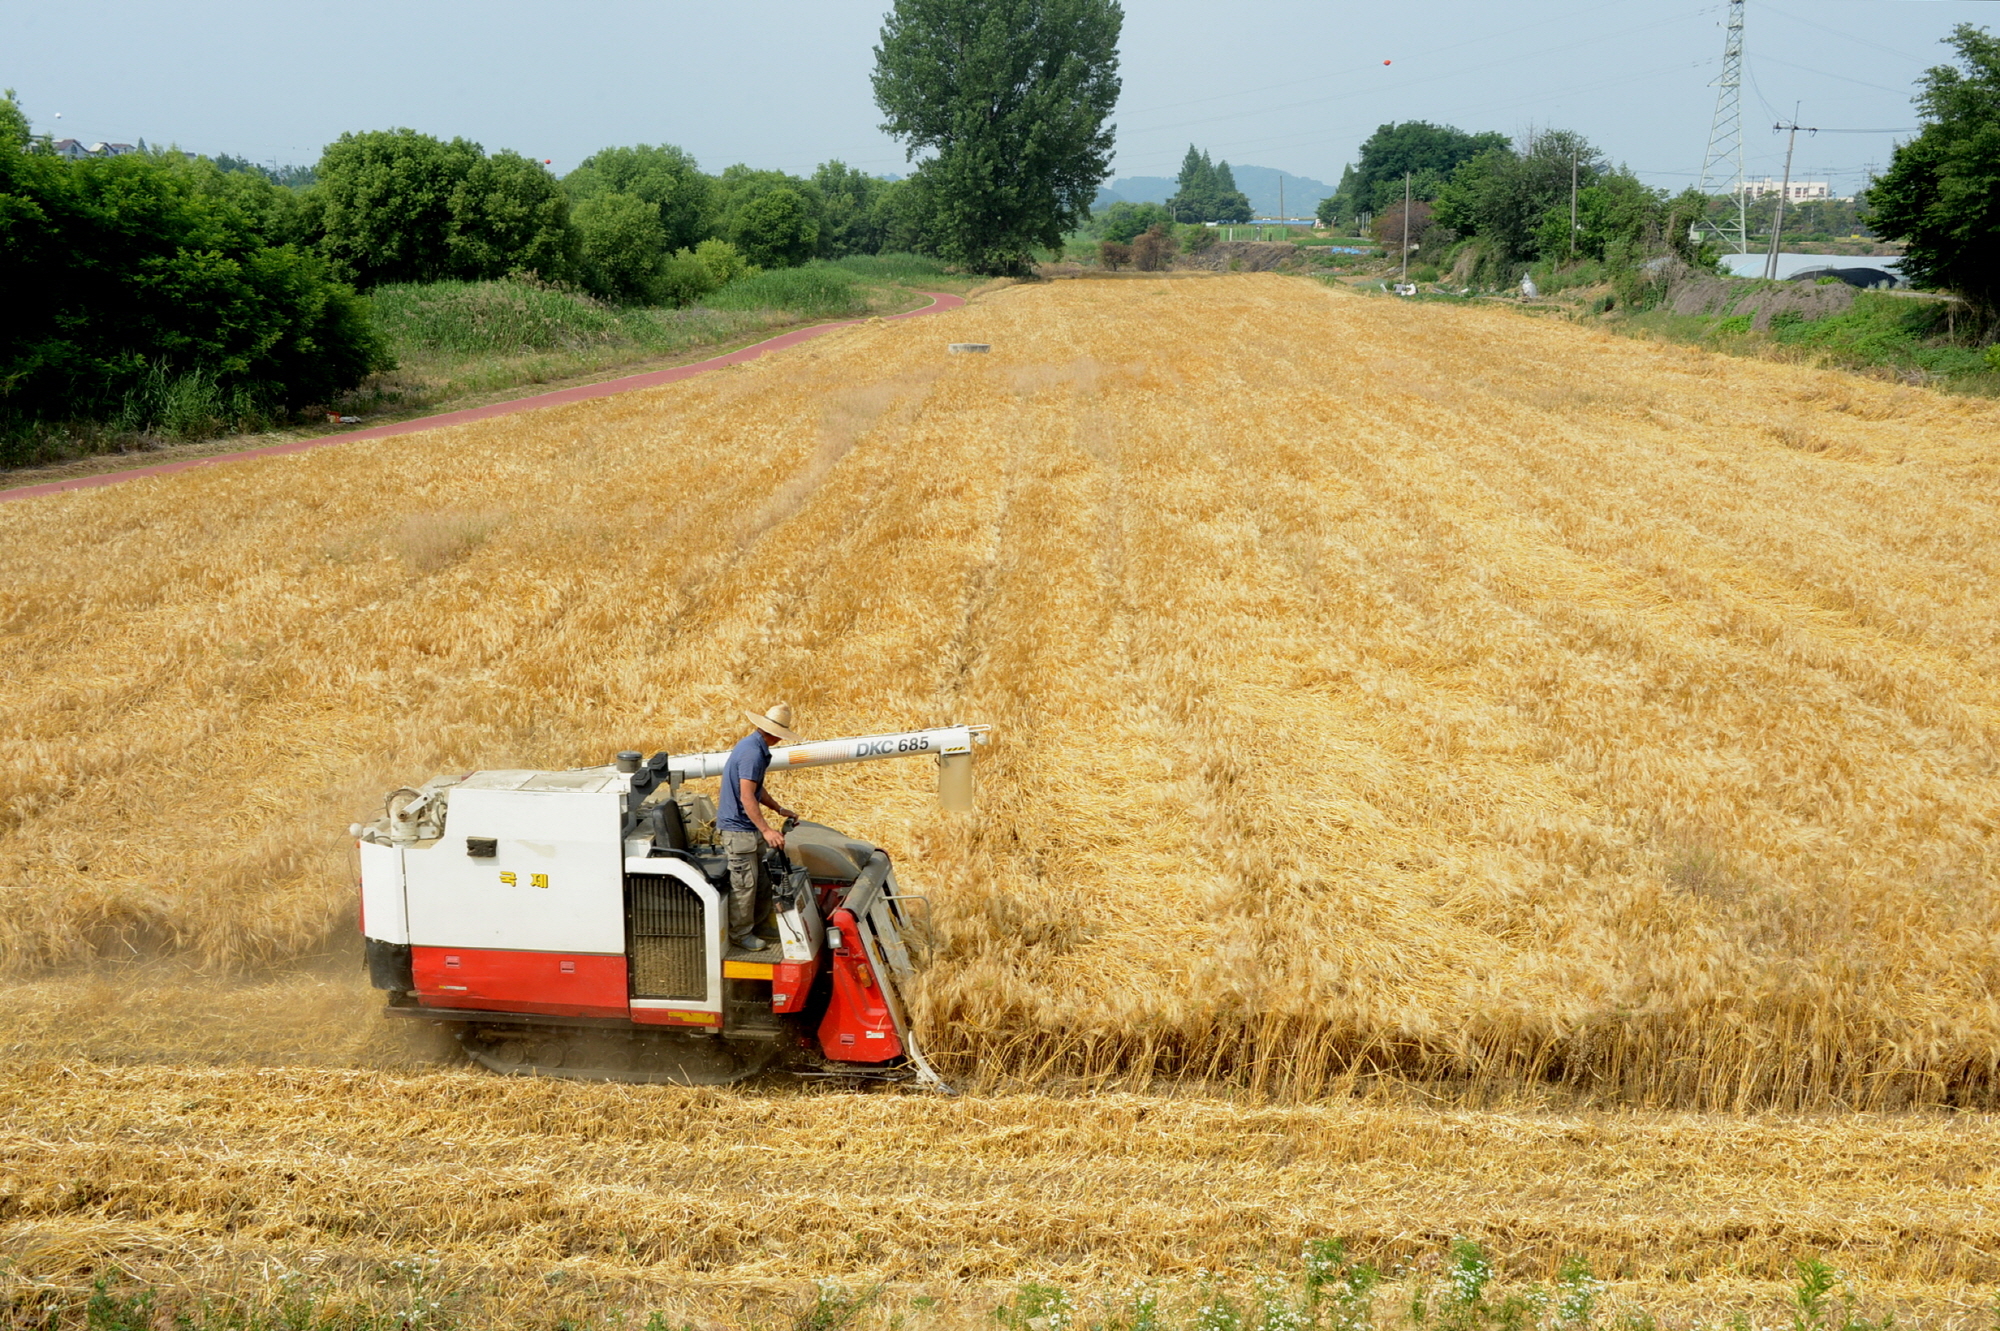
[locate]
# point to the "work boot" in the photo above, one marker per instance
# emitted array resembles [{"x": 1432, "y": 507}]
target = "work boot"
[{"x": 749, "y": 943}]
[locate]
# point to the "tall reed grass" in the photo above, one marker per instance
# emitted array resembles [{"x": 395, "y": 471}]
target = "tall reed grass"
[
  {"x": 892, "y": 266},
  {"x": 487, "y": 317},
  {"x": 814, "y": 291}
]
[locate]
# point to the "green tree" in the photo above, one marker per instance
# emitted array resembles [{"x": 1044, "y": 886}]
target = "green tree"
[
  {"x": 1615, "y": 210},
  {"x": 848, "y": 221},
  {"x": 662, "y": 175},
  {"x": 14, "y": 126},
  {"x": 1194, "y": 188},
  {"x": 1125, "y": 220},
  {"x": 507, "y": 215},
  {"x": 901, "y": 215},
  {"x": 1206, "y": 192},
  {"x": 382, "y": 209},
  {"x": 1428, "y": 153},
  {"x": 399, "y": 206},
  {"x": 1231, "y": 203},
  {"x": 1010, "y": 97},
  {"x": 619, "y": 244},
  {"x": 1941, "y": 194},
  {"x": 1519, "y": 202},
  {"x": 776, "y": 229},
  {"x": 741, "y": 189},
  {"x": 152, "y": 267},
  {"x": 1336, "y": 210}
]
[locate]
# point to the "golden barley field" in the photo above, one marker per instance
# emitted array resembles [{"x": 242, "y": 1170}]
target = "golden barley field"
[{"x": 1400, "y": 711}]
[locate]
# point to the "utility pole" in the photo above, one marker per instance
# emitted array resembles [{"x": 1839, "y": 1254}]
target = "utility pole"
[
  {"x": 1572, "y": 207},
  {"x": 1281, "y": 198},
  {"x": 1405, "y": 279},
  {"x": 1784, "y": 192}
]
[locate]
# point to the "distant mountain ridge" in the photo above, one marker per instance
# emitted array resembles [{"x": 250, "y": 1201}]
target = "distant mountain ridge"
[{"x": 1260, "y": 183}]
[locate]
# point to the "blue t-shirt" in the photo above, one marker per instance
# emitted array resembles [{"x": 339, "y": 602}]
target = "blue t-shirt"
[{"x": 747, "y": 762}]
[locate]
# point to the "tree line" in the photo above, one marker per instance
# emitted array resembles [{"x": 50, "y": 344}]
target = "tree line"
[
  {"x": 1497, "y": 205},
  {"x": 1487, "y": 205},
  {"x": 638, "y": 224},
  {"x": 131, "y": 277}
]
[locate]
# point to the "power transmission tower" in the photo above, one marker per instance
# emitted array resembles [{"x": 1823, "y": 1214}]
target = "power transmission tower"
[{"x": 1725, "y": 142}]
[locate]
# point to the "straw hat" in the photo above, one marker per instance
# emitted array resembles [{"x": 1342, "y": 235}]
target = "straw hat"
[{"x": 777, "y": 722}]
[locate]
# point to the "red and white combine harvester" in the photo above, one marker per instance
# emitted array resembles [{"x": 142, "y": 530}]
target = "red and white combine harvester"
[{"x": 573, "y": 924}]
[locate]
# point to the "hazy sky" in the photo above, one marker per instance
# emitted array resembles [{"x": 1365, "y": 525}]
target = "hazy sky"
[{"x": 1290, "y": 84}]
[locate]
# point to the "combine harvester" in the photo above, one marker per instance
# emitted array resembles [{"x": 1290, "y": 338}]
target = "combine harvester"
[{"x": 573, "y": 924}]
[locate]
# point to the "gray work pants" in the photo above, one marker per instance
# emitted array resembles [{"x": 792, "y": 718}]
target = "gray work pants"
[{"x": 745, "y": 850}]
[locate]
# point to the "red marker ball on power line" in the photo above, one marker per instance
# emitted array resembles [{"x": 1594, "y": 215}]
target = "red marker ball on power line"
[{"x": 1385, "y": 62}]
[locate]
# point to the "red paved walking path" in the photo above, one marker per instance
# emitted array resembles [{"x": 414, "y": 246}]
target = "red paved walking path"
[{"x": 581, "y": 393}]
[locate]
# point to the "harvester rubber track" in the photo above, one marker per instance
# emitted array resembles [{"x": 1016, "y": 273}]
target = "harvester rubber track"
[{"x": 587, "y": 1055}]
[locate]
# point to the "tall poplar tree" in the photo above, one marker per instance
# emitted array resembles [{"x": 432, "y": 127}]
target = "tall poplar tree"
[
  {"x": 1206, "y": 192},
  {"x": 1009, "y": 98},
  {"x": 1194, "y": 192},
  {"x": 1941, "y": 193}
]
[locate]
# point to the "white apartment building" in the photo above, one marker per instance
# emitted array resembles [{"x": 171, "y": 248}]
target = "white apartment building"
[{"x": 1801, "y": 191}]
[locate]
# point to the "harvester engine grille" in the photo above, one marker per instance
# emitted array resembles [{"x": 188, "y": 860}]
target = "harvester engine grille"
[{"x": 668, "y": 960}]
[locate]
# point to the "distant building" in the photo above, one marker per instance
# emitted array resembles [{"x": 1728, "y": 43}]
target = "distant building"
[
  {"x": 72, "y": 149},
  {"x": 1802, "y": 191}
]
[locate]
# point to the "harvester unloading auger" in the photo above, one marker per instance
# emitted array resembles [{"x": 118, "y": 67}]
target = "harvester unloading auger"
[{"x": 573, "y": 924}]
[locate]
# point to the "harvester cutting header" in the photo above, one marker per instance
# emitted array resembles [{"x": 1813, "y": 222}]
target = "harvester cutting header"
[{"x": 576, "y": 923}]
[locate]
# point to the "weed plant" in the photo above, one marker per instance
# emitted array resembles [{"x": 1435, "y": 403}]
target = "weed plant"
[
  {"x": 161, "y": 406},
  {"x": 1910, "y": 339},
  {"x": 1325, "y": 1291}
]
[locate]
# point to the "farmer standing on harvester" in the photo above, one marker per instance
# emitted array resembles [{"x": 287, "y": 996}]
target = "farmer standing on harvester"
[{"x": 740, "y": 818}]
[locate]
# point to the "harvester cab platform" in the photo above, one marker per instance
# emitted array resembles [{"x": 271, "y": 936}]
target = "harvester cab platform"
[{"x": 573, "y": 924}]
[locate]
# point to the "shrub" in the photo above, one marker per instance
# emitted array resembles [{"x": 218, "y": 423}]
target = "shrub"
[
  {"x": 1114, "y": 255},
  {"x": 725, "y": 263},
  {"x": 620, "y": 243},
  {"x": 1154, "y": 249},
  {"x": 1124, "y": 222},
  {"x": 691, "y": 274},
  {"x": 682, "y": 279},
  {"x": 818, "y": 290}
]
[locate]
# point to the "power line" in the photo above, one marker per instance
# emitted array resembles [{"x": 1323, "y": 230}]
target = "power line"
[
  {"x": 1859, "y": 83},
  {"x": 1321, "y": 78},
  {"x": 1347, "y": 94},
  {"x": 1617, "y": 80}
]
